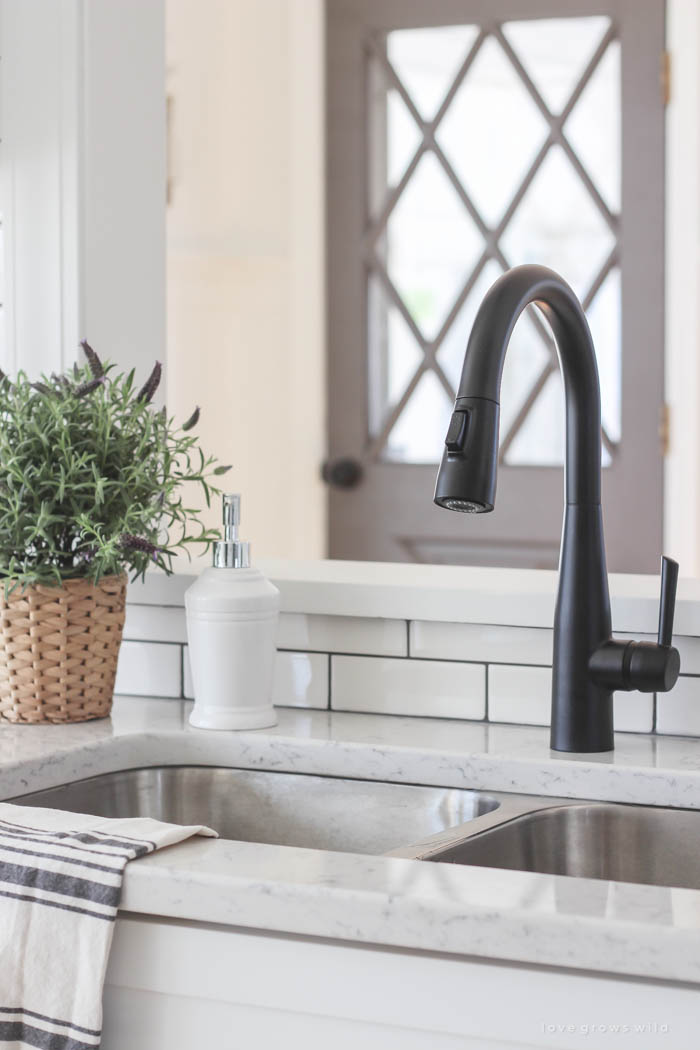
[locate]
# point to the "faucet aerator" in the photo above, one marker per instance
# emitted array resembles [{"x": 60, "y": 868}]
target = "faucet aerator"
[{"x": 466, "y": 506}]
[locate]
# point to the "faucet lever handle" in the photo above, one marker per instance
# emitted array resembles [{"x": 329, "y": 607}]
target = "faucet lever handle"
[{"x": 667, "y": 605}]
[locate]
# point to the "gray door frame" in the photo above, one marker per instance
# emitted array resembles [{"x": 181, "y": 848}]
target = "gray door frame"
[{"x": 390, "y": 515}]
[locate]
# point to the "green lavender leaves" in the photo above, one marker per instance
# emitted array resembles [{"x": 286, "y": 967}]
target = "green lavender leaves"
[{"x": 92, "y": 476}]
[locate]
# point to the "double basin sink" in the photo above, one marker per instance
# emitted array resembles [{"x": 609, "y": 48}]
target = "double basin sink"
[{"x": 600, "y": 840}]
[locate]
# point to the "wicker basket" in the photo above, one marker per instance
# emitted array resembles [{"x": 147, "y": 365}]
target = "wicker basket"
[{"x": 58, "y": 650}]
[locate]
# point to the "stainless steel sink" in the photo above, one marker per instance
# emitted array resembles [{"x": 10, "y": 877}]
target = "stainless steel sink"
[
  {"x": 555, "y": 836},
  {"x": 595, "y": 840},
  {"x": 287, "y": 809}
]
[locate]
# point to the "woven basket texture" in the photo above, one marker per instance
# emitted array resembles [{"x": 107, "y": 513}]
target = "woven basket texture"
[{"x": 58, "y": 650}]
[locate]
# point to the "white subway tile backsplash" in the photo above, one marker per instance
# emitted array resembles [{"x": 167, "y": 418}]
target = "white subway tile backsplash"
[
  {"x": 446, "y": 678},
  {"x": 342, "y": 634},
  {"x": 633, "y": 712},
  {"x": 689, "y": 648},
  {"x": 149, "y": 669},
  {"x": 483, "y": 643},
  {"x": 679, "y": 711},
  {"x": 408, "y": 687},
  {"x": 520, "y": 694},
  {"x": 301, "y": 680},
  {"x": 155, "y": 623},
  {"x": 187, "y": 687},
  {"x": 524, "y": 694}
]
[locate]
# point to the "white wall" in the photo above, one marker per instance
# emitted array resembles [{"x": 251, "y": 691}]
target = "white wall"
[
  {"x": 123, "y": 181},
  {"x": 39, "y": 76},
  {"x": 82, "y": 180},
  {"x": 245, "y": 254}
]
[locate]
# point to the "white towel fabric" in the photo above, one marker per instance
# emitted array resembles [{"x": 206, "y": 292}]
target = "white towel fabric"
[{"x": 60, "y": 883}]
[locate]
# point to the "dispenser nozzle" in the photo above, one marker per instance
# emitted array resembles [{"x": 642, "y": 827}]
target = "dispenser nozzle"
[
  {"x": 230, "y": 552},
  {"x": 231, "y": 515}
]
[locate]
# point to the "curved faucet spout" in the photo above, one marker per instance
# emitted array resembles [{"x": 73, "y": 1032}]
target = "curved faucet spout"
[
  {"x": 587, "y": 665},
  {"x": 486, "y": 352}
]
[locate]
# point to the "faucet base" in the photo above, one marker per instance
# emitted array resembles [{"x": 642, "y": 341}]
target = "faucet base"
[
  {"x": 582, "y": 710},
  {"x": 592, "y": 737}
]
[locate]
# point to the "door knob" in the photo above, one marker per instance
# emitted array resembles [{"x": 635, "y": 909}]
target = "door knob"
[{"x": 343, "y": 473}]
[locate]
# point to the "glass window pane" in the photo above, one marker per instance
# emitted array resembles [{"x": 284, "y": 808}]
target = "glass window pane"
[
  {"x": 527, "y": 354},
  {"x": 540, "y": 440},
  {"x": 394, "y": 355},
  {"x": 527, "y": 357},
  {"x": 492, "y": 131},
  {"x": 419, "y": 433},
  {"x": 451, "y": 352},
  {"x": 394, "y": 136},
  {"x": 555, "y": 52},
  {"x": 431, "y": 246},
  {"x": 593, "y": 128},
  {"x": 604, "y": 318},
  {"x": 557, "y": 224},
  {"x": 428, "y": 60}
]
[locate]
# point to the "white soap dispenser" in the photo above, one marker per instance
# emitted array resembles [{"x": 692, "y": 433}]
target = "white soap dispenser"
[{"x": 232, "y": 614}]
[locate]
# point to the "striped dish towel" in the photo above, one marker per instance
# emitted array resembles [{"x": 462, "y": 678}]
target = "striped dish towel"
[{"x": 60, "y": 882}]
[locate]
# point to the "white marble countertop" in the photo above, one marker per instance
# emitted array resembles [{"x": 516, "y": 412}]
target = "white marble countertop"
[{"x": 540, "y": 919}]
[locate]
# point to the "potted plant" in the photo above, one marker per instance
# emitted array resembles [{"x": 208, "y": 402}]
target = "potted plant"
[{"x": 91, "y": 487}]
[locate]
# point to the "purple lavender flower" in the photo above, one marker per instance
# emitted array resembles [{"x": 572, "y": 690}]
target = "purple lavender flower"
[
  {"x": 87, "y": 388},
  {"x": 192, "y": 421},
  {"x": 151, "y": 385},
  {"x": 96, "y": 366},
  {"x": 138, "y": 543}
]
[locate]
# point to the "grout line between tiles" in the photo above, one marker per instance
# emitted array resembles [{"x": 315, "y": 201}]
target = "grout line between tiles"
[
  {"x": 437, "y": 660},
  {"x": 329, "y": 700},
  {"x": 149, "y": 641},
  {"x": 486, "y": 693}
]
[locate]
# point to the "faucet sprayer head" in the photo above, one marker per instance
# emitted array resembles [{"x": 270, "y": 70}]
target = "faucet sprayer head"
[{"x": 466, "y": 480}]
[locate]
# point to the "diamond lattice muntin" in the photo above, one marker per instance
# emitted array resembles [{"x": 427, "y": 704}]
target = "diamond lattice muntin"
[{"x": 499, "y": 131}]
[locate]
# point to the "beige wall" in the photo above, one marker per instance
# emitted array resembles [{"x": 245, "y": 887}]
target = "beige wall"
[{"x": 245, "y": 254}]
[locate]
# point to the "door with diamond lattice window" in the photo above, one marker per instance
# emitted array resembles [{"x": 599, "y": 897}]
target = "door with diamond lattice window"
[{"x": 465, "y": 137}]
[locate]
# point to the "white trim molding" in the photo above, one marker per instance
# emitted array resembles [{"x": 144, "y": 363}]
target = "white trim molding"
[
  {"x": 82, "y": 180},
  {"x": 682, "y": 474}
]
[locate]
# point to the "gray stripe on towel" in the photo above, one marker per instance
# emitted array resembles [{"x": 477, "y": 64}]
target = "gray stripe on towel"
[
  {"x": 78, "y": 861},
  {"x": 23, "y": 836},
  {"x": 51, "y": 1020},
  {"x": 133, "y": 848},
  {"x": 18, "y": 1031},
  {"x": 65, "y": 885},
  {"x": 55, "y": 904}
]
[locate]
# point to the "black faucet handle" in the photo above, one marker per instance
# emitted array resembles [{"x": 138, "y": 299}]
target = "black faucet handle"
[
  {"x": 667, "y": 605},
  {"x": 649, "y": 667}
]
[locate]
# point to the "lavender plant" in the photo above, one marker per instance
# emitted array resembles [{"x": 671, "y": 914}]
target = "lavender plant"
[{"x": 92, "y": 477}]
